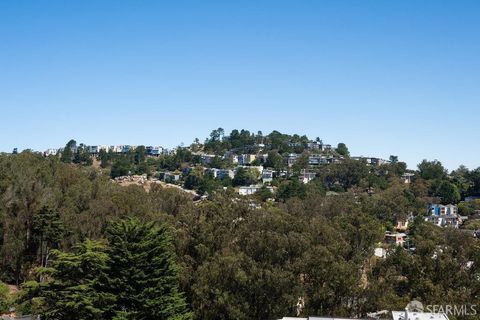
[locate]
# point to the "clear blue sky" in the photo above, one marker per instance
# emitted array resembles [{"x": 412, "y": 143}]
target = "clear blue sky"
[{"x": 385, "y": 77}]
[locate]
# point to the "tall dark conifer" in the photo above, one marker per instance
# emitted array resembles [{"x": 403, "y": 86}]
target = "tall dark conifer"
[{"x": 143, "y": 272}]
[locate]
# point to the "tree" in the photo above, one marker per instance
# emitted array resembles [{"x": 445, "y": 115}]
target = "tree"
[
  {"x": 6, "y": 300},
  {"x": 342, "y": 149},
  {"x": 264, "y": 193},
  {"x": 74, "y": 289},
  {"x": 275, "y": 161},
  {"x": 448, "y": 192},
  {"x": 49, "y": 231},
  {"x": 474, "y": 176},
  {"x": 430, "y": 170},
  {"x": 143, "y": 273},
  {"x": 121, "y": 167},
  {"x": 81, "y": 155},
  {"x": 393, "y": 159},
  {"x": 291, "y": 188},
  {"x": 245, "y": 177},
  {"x": 67, "y": 153}
]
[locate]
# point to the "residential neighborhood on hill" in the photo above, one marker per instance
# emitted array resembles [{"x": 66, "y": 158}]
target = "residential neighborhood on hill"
[{"x": 393, "y": 221}]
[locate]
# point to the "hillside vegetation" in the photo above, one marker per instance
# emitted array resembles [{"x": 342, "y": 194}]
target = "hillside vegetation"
[{"x": 231, "y": 257}]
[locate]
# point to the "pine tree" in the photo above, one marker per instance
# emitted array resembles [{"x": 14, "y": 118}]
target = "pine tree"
[
  {"x": 67, "y": 154},
  {"x": 49, "y": 231},
  {"x": 143, "y": 272},
  {"x": 74, "y": 289}
]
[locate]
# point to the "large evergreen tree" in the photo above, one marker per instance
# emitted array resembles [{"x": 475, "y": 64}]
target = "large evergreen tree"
[
  {"x": 143, "y": 272},
  {"x": 67, "y": 154},
  {"x": 74, "y": 289}
]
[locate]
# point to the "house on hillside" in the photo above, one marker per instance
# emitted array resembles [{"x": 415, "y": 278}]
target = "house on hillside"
[
  {"x": 170, "y": 176},
  {"x": 267, "y": 175},
  {"x": 306, "y": 176},
  {"x": 244, "y": 159},
  {"x": 291, "y": 159},
  {"x": 371, "y": 161},
  {"x": 245, "y": 191},
  {"x": 315, "y": 145},
  {"x": 93, "y": 149},
  {"x": 221, "y": 173},
  {"x": 126, "y": 148},
  {"x": 444, "y": 215},
  {"x": 207, "y": 158},
  {"x": 154, "y": 151},
  {"x": 407, "y": 177},
  {"x": 396, "y": 238},
  {"x": 316, "y": 159},
  {"x": 50, "y": 152}
]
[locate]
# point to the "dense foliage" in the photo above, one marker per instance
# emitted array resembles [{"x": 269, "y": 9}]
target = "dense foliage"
[
  {"x": 238, "y": 258},
  {"x": 133, "y": 277}
]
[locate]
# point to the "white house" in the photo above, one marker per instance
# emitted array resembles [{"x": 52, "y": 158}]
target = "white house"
[
  {"x": 154, "y": 151},
  {"x": 267, "y": 175},
  {"x": 444, "y": 215},
  {"x": 51, "y": 152},
  {"x": 245, "y": 191},
  {"x": 306, "y": 176},
  {"x": 407, "y": 177},
  {"x": 221, "y": 173}
]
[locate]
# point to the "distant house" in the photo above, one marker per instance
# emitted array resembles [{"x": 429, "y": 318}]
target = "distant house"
[
  {"x": 267, "y": 175},
  {"x": 294, "y": 144},
  {"x": 221, "y": 173},
  {"x": 244, "y": 159},
  {"x": 50, "y": 152},
  {"x": 169, "y": 152},
  {"x": 441, "y": 210},
  {"x": 154, "y": 151},
  {"x": 291, "y": 159},
  {"x": 126, "y": 148},
  {"x": 315, "y": 145},
  {"x": 407, "y": 177},
  {"x": 371, "y": 161},
  {"x": 115, "y": 149},
  {"x": 170, "y": 176},
  {"x": 306, "y": 176},
  {"x": 230, "y": 157},
  {"x": 207, "y": 158},
  {"x": 245, "y": 191},
  {"x": 262, "y": 157},
  {"x": 444, "y": 215},
  {"x": 316, "y": 159},
  {"x": 399, "y": 239},
  {"x": 93, "y": 149}
]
